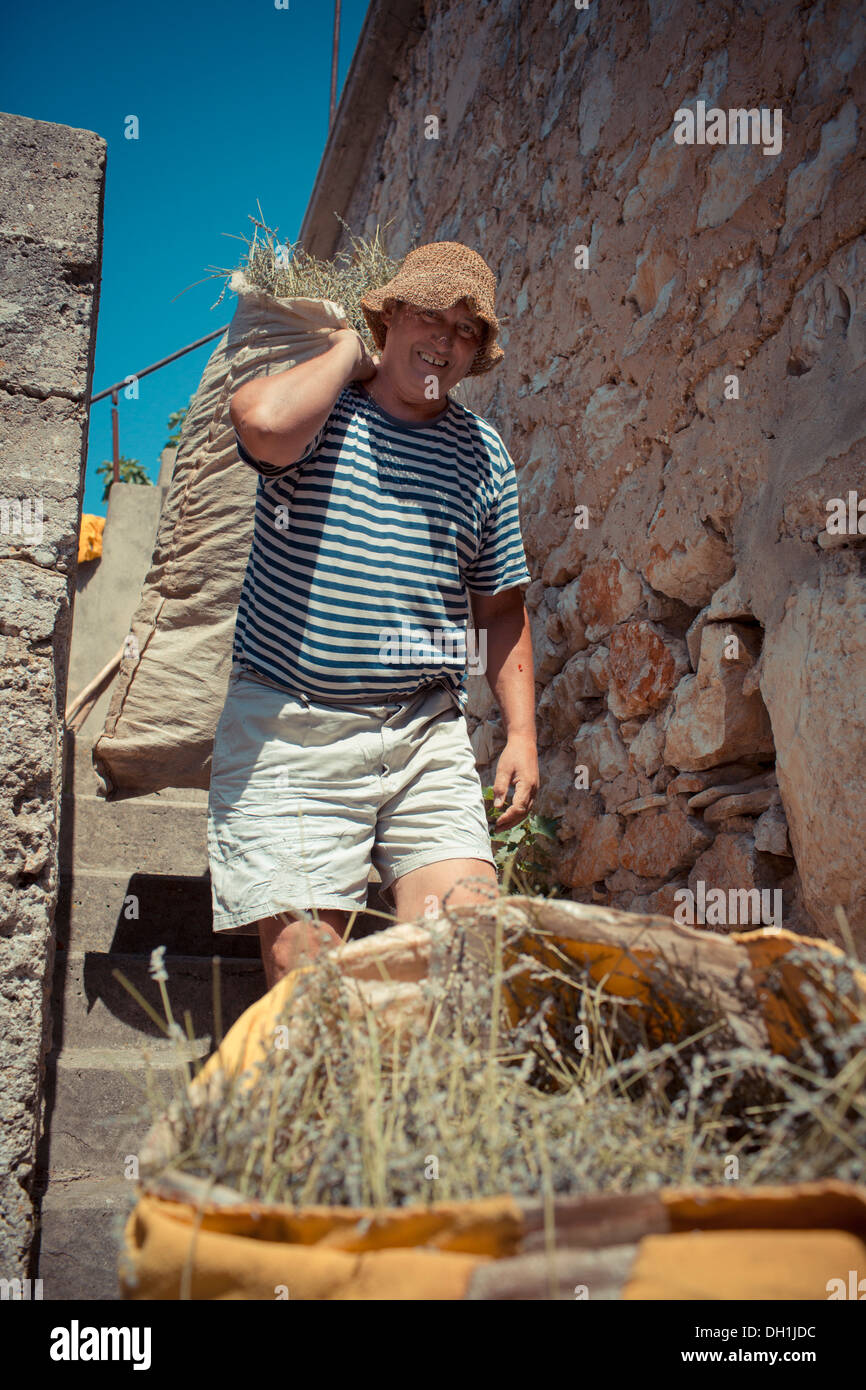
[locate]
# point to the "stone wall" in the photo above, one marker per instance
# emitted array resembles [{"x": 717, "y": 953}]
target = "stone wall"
[
  {"x": 51, "y": 192},
  {"x": 694, "y": 381}
]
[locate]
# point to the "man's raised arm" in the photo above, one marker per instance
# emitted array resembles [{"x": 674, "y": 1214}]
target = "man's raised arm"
[{"x": 277, "y": 416}]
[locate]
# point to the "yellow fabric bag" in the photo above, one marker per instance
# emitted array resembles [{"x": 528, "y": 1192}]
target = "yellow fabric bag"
[
  {"x": 710, "y": 1243},
  {"x": 90, "y": 537},
  {"x": 187, "y": 1239}
]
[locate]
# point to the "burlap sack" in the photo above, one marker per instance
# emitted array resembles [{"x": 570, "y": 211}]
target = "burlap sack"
[{"x": 170, "y": 689}]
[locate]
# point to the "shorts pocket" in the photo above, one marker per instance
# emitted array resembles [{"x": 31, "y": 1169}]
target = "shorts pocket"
[{"x": 267, "y": 875}]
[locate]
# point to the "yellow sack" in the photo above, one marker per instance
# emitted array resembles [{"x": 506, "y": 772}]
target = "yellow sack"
[
  {"x": 699, "y": 1243},
  {"x": 186, "y": 1238},
  {"x": 90, "y": 537}
]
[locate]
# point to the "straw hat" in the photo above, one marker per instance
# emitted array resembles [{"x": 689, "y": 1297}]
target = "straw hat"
[{"x": 438, "y": 276}]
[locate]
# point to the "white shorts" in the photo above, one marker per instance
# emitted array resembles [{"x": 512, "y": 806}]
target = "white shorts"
[{"x": 305, "y": 796}]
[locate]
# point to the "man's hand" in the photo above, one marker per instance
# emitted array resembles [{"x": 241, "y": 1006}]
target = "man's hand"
[
  {"x": 518, "y": 764},
  {"x": 366, "y": 365}
]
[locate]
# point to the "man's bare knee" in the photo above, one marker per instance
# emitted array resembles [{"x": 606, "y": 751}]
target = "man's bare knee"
[{"x": 288, "y": 942}]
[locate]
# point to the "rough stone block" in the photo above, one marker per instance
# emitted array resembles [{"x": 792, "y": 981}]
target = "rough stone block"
[
  {"x": 645, "y": 665},
  {"x": 713, "y": 721},
  {"x": 814, "y": 682},
  {"x": 608, "y": 594},
  {"x": 659, "y": 843}
]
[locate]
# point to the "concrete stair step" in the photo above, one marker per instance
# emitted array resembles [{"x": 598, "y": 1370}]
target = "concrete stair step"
[
  {"x": 173, "y": 911},
  {"x": 154, "y": 837},
  {"x": 81, "y": 1229},
  {"x": 111, "y": 1062},
  {"x": 93, "y": 1009},
  {"x": 102, "y": 1102}
]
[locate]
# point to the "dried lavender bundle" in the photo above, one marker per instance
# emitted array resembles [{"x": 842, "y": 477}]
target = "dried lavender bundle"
[
  {"x": 577, "y": 1095},
  {"x": 287, "y": 271}
]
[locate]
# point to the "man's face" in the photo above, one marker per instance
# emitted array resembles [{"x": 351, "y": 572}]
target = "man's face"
[{"x": 430, "y": 343}]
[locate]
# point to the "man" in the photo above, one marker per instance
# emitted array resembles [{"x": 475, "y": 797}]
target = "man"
[{"x": 386, "y": 519}]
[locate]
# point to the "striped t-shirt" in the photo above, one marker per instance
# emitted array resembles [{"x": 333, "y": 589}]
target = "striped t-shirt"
[{"x": 363, "y": 550}]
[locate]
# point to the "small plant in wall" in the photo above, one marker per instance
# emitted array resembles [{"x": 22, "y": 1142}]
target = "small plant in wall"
[
  {"x": 130, "y": 471},
  {"x": 523, "y": 853}
]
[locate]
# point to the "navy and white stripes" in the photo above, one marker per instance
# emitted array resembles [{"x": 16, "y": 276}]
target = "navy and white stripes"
[{"x": 378, "y": 530}]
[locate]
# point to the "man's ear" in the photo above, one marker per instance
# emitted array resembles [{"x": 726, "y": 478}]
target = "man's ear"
[{"x": 388, "y": 310}]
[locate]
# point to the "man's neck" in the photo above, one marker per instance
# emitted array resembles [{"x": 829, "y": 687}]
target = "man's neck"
[{"x": 380, "y": 390}]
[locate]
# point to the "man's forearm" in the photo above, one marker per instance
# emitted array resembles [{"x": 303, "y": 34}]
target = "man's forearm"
[
  {"x": 510, "y": 672},
  {"x": 277, "y": 416}
]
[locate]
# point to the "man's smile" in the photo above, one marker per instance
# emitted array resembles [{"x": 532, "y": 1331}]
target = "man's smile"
[{"x": 433, "y": 361}]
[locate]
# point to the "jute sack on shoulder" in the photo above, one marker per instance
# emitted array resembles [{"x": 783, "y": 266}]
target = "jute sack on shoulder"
[{"x": 170, "y": 690}]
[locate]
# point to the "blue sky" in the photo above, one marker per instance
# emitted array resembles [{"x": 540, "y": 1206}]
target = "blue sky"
[{"x": 232, "y": 99}]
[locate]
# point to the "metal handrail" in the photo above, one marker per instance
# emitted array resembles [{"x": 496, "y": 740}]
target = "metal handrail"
[{"x": 136, "y": 376}]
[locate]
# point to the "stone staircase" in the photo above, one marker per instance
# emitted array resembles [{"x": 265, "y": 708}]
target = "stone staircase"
[{"x": 144, "y": 855}]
